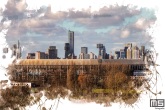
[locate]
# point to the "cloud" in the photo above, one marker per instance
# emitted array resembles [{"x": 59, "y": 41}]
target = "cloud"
[
  {"x": 110, "y": 25},
  {"x": 15, "y": 9},
  {"x": 125, "y": 33}
]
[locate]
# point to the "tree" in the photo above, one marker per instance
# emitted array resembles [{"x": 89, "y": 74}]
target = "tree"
[{"x": 71, "y": 78}]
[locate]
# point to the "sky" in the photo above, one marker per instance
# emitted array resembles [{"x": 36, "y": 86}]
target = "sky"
[
  {"x": 41, "y": 24},
  {"x": 111, "y": 22}
]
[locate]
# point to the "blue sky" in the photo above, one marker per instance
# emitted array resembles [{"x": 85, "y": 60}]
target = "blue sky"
[{"x": 112, "y": 25}]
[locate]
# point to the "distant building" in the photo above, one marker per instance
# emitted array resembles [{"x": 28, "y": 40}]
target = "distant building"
[
  {"x": 129, "y": 53},
  {"x": 46, "y": 55},
  {"x": 84, "y": 50},
  {"x": 39, "y": 55},
  {"x": 135, "y": 53},
  {"x": 102, "y": 51},
  {"x": 16, "y": 50},
  {"x": 92, "y": 56},
  {"x": 86, "y": 56},
  {"x": 128, "y": 45},
  {"x": 84, "y": 53},
  {"x": 142, "y": 52},
  {"x": 30, "y": 56},
  {"x": 125, "y": 51},
  {"x": 81, "y": 56},
  {"x": 5, "y": 50},
  {"x": 67, "y": 49},
  {"x": 117, "y": 54},
  {"x": 52, "y": 52},
  {"x": 111, "y": 57},
  {"x": 71, "y": 41},
  {"x": 106, "y": 56},
  {"x": 122, "y": 54}
]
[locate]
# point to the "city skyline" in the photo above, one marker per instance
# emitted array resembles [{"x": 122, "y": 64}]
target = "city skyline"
[{"x": 129, "y": 51}]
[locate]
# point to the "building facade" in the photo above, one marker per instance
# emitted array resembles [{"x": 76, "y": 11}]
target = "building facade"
[
  {"x": 52, "y": 52},
  {"x": 67, "y": 49},
  {"x": 16, "y": 50},
  {"x": 122, "y": 54},
  {"x": 71, "y": 41},
  {"x": 30, "y": 56},
  {"x": 117, "y": 54},
  {"x": 135, "y": 53},
  {"x": 39, "y": 55},
  {"x": 129, "y": 53},
  {"x": 84, "y": 50}
]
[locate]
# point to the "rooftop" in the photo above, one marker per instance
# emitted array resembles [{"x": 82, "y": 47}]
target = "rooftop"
[{"x": 78, "y": 61}]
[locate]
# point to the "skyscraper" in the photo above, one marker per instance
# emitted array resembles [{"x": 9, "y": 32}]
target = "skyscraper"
[
  {"x": 67, "y": 49},
  {"x": 102, "y": 51},
  {"x": 122, "y": 54},
  {"x": 128, "y": 50},
  {"x": 129, "y": 45},
  {"x": 142, "y": 52},
  {"x": 71, "y": 41},
  {"x": 125, "y": 51},
  {"x": 16, "y": 50},
  {"x": 84, "y": 50},
  {"x": 117, "y": 54},
  {"x": 135, "y": 52},
  {"x": 129, "y": 53},
  {"x": 52, "y": 52}
]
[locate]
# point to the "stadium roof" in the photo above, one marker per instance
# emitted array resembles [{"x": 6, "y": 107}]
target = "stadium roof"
[{"x": 78, "y": 61}]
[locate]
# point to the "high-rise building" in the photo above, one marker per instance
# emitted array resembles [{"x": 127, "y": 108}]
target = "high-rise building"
[
  {"x": 125, "y": 51},
  {"x": 99, "y": 46},
  {"x": 102, "y": 51},
  {"x": 122, "y": 54},
  {"x": 84, "y": 50},
  {"x": 52, "y": 52},
  {"x": 135, "y": 53},
  {"x": 128, "y": 45},
  {"x": 71, "y": 41},
  {"x": 129, "y": 53},
  {"x": 142, "y": 52},
  {"x": 30, "y": 56},
  {"x": 67, "y": 49},
  {"x": 16, "y": 50},
  {"x": 39, "y": 55},
  {"x": 46, "y": 55},
  {"x": 117, "y": 54}
]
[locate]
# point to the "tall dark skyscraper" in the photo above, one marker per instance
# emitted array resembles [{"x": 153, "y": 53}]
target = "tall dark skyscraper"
[
  {"x": 67, "y": 49},
  {"x": 71, "y": 41}
]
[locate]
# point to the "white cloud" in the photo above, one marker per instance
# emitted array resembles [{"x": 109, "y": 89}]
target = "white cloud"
[{"x": 125, "y": 33}]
